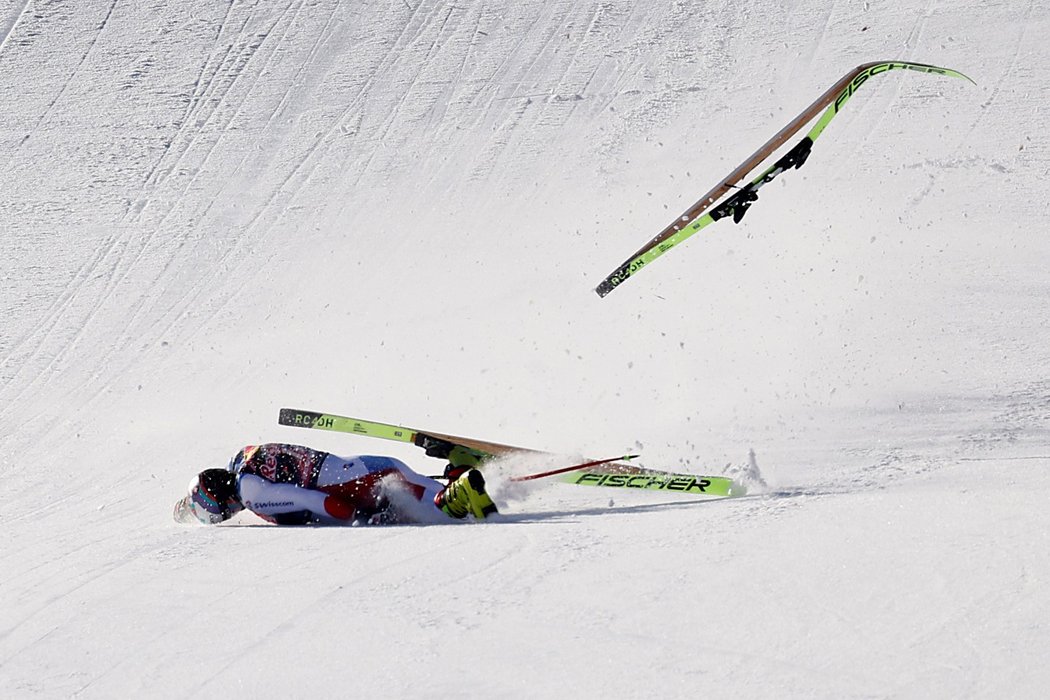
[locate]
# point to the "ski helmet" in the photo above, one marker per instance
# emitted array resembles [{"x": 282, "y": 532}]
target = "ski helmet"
[{"x": 210, "y": 499}]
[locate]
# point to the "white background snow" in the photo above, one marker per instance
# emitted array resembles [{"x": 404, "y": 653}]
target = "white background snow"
[{"x": 398, "y": 210}]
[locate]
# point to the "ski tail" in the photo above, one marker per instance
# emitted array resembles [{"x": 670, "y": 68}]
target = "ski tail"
[{"x": 327, "y": 421}]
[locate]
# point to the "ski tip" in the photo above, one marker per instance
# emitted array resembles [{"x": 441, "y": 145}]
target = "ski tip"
[{"x": 913, "y": 65}]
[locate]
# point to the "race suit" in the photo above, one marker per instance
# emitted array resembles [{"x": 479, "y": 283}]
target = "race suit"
[{"x": 293, "y": 485}]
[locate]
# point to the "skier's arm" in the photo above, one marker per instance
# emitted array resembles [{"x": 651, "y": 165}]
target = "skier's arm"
[{"x": 271, "y": 500}]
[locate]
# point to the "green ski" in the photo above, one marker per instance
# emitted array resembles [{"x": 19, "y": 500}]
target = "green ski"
[
  {"x": 425, "y": 439},
  {"x": 441, "y": 445},
  {"x": 660, "y": 481},
  {"x": 698, "y": 216}
]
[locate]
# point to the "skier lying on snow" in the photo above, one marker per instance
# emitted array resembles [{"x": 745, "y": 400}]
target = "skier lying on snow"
[{"x": 295, "y": 485}]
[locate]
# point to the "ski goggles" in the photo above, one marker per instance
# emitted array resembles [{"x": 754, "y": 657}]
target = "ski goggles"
[{"x": 199, "y": 506}]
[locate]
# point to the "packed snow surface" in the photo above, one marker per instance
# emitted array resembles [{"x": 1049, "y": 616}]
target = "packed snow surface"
[{"x": 398, "y": 211}]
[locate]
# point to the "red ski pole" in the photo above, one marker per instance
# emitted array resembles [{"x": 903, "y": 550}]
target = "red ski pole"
[{"x": 573, "y": 468}]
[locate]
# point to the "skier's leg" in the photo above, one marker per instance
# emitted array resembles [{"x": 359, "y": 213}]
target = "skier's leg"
[{"x": 382, "y": 486}]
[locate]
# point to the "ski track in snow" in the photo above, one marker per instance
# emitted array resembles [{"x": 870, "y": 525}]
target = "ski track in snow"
[
  {"x": 398, "y": 211},
  {"x": 10, "y": 20}
]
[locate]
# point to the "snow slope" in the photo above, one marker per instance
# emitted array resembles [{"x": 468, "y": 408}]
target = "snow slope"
[{"x": 398, "y": 211}]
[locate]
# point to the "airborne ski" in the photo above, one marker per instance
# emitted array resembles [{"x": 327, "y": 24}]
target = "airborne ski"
[{"x": 697, "y": 216}]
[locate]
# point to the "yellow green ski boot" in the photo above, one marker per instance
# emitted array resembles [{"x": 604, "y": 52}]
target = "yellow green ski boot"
[{"x": 466, "y": 495}]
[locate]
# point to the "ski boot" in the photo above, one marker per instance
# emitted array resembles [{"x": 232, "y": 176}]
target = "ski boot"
[{"x": 466, "y": 495}]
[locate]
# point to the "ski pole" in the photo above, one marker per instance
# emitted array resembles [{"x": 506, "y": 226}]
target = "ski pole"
[{"x": 575, "y": 467}]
